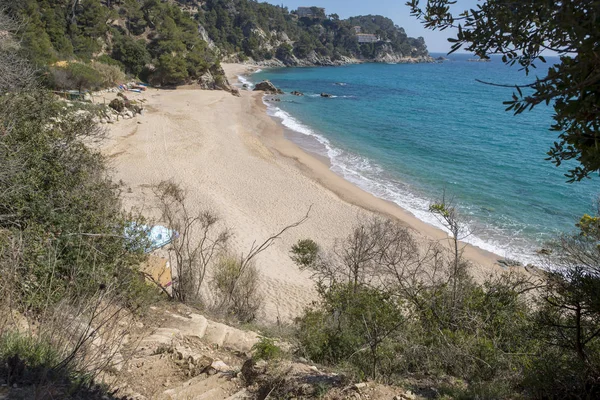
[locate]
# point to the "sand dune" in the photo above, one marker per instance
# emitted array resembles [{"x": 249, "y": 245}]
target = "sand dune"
[{"x": 232, "y": 158}]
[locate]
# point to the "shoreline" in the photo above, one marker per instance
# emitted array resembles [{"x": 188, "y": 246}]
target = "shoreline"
[
  {"x": 233, "y": 159},
  {"x": 317, "y": 167},
  {"x": 326, "y": 62}
]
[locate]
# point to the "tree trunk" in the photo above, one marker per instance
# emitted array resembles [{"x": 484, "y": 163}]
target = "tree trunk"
[
  {"x": 578, "y": 335},
  {"x": 73, "y": 9}
]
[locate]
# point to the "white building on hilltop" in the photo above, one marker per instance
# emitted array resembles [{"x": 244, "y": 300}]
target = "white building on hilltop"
[{"x": 367, "y": 38}]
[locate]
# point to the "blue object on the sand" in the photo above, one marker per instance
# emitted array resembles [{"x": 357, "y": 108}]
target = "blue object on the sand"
[
  {"x": 161, "y": 236},
  {"x": 158, "y": 235}
]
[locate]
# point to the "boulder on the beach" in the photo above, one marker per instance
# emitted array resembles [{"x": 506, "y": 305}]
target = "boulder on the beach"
[
  {"x": 326, "y": 95},
  {"x": 507, "y": 262},
  {"x": 297, "y": 93},
  {"x": 267, "y": 86},
  {"x": 117, "y": 105}
]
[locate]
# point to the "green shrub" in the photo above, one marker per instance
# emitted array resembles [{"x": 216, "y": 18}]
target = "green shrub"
[
  {"x": 32, "y": 353},
  {"x": 237, "y": 288},
  {"x": 305, "y": 252},
  {"x": 416, "y": 317},
  {"x": 131, "y": 53},
  {"x": 62, "y": 214},
  {"x": 108, "y": 60},
  {"x": 354, "y": 325},
  {"x": 170, "y": 70},
  {"x": 266, "y": 349}
]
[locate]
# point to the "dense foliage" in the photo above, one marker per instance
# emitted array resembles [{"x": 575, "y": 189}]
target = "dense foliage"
[
  {"x": 391, "y": 309},
  {"x": 68, "y": 259},
  {"x": 61, "y": 224},
  {"x": 167, "y": 42},
  {"x": 152, "y": 39},
  {"x": 521, "y": 32},
  {"x": 263, "y": 31}
]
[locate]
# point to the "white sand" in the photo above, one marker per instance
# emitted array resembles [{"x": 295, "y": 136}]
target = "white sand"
[{"x": 232, "y": 158}]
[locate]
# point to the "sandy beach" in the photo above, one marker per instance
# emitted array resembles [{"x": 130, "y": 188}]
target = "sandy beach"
[{"x": 232, "y": 158}]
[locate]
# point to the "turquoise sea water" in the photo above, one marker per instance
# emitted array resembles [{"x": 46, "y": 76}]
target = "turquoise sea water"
[{"x": 410, "y": 132}]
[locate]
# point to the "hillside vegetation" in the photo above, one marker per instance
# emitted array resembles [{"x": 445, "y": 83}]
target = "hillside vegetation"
[
  {"x": 176, "y": 42},
  {"x": 263, "y": 32}
]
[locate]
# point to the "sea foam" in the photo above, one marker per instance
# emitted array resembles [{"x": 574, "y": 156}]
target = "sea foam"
[
  {"x": 243, "y": 80},
  {"x": 372, "y": 178}
]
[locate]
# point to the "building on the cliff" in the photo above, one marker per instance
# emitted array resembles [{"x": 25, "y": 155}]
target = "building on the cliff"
[
  {"x": 311, "y": 12},
  {"x": 367, "y": 38},
  {"x": 356, "y": 29}
]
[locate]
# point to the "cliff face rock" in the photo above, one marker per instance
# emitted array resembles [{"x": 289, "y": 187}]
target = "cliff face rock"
[
  {"x": 204, "y": 36},
  {"x": 315, "y": 60},
  {"x": 393, "y": 58},
  {"x": 215, "y": 79},
  {"x": 384, "y": 54}
]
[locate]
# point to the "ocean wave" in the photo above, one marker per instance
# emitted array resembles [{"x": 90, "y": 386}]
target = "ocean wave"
[
  {"x": 371, "y": 177},
  {"x": 292, "y": 123},
  {"x": 243, "y": 80}
]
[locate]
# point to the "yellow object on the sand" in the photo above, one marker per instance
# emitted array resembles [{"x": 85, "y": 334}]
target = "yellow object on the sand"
[{"x": 157, "y": 270}]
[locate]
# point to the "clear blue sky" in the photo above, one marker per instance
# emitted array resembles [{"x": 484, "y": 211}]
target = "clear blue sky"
[{"x": 394, "y": 9}]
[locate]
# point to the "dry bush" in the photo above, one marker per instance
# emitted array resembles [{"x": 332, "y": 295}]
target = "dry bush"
[
  {"x": 379, "y": 252},
  {"x": 200, "y": 249},
  {"x": 60, "y": 343},
  {"x": 111, "y": 75},
  {"x": 236, "y": 288},
  {"x": 392, "y": 306},
  {"x": 200, "y": 240},
  {"x": 15, "y": 71}
]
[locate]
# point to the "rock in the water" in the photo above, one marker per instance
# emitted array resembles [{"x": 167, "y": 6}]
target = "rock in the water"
[
  {"x": 297, "y": 93},
  {"x": 507, "y": 262},
  {"x": 267, "y": 86},
  {"x": 326, "y": 95}
]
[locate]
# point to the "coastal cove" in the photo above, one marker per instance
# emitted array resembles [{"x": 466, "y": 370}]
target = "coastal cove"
[
  {"x": 488, "y": 161},
  {"x": 232, "y": 158}
]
